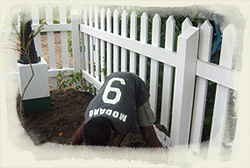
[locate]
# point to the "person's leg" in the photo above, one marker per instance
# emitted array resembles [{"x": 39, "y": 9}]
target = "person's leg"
[
  {"x": 150, "y": 137},
  {"x": 145, "y": 119}
]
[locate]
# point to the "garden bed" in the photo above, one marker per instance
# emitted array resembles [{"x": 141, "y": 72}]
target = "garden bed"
[{"x": 59, "y": 124}]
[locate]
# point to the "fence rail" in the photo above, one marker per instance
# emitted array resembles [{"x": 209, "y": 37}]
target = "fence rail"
[{"x": 102, "y": 44}]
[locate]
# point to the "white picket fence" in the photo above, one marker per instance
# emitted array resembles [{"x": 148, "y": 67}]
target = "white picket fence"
[
  {"x": 50, "y": 28},
  {"x": 99, "y": 44}
]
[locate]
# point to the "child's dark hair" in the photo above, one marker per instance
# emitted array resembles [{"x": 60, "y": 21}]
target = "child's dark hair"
[{"x": 97, "y": 131}]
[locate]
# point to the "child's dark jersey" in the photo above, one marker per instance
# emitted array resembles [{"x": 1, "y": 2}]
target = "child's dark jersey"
[{"x": 118, "y": 100}]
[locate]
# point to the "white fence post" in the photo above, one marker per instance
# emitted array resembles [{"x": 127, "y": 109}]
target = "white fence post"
[
  {"x": 184, "y": 86},
  {"x": 75, "y": 39},
  {"x": 222, "y": 94}
]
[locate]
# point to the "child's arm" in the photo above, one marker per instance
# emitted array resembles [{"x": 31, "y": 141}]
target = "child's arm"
[
  {"x": 77, "y": 139},
  {"x": 119, "y": 140}
]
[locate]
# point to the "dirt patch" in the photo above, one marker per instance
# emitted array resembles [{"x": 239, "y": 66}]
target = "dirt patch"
[{"x": 59, "y": 124}]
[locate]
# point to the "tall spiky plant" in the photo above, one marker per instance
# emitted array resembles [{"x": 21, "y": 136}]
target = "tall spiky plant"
[{"x": 24, "y": 49}]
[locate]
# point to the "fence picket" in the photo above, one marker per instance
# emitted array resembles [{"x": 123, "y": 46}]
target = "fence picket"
[
  {"x": 85, "y": 15},
  {"x": 124, "y": 34},
  {"x": 109, "y": 65},
  {"x": 168, "y": 74},
  {"x": 102, "y": 46},
  {"x": 133, "y": 36},
  {"x": 64, "y": 35},
  {"x": 37, "y": 38},
  {"x": 76, "y": 41},
  {"x": 222, "y": 94},
  {"x": 155, "y": 64},
  {"x": 115, "y": 47},
  {"x": 82, "y": 47},
  {"x": 186, "y": 24},
  {"x": 97, "y": 62},
  {"x": 143, "y": 39},
  {"x": 205, "y": 44},
  {"x": 86, "y": 42},
  {"x": 51, "y": 44},
  {"x": 91, "y": 48}
]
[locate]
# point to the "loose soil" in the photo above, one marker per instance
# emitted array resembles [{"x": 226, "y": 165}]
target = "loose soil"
[{"x": 59, "y": 123}]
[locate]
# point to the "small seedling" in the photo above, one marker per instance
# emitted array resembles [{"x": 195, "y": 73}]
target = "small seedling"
[
  {"x": 89, "y": 89},
  {"x": 64, "y": 80}
]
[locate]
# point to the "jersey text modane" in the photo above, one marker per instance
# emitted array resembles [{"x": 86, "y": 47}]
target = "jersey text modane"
[{"x": 108, "y": 112}]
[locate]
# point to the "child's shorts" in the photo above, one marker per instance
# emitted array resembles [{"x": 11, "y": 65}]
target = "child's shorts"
[{"x": 145, "y": 115}]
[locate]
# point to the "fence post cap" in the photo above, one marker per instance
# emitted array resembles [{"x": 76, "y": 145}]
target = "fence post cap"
[{"x": 189, "y": 32}]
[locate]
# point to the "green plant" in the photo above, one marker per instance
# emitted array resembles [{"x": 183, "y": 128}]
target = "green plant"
[
  {"x": 56, "y": 21},
  {"x": 24, "y": 49},
  {"x": 89, "y": 88},
  {"x": 70, "y": 43},
  {"x": 64, "y": 80},
  {"x": 104, "y": 69}
]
